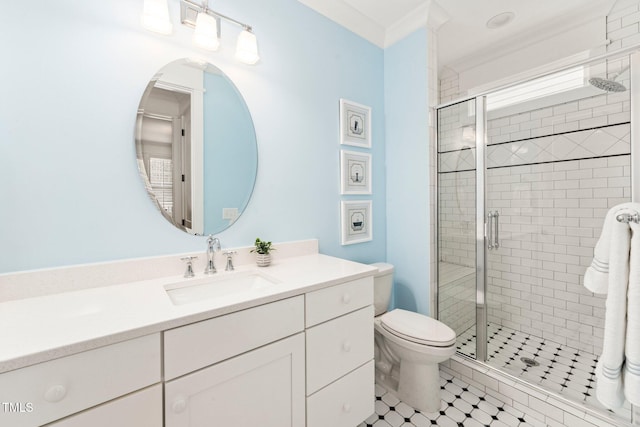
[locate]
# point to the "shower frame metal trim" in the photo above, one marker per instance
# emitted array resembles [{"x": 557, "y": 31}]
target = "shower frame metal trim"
[{"x": 481, "y": 229}]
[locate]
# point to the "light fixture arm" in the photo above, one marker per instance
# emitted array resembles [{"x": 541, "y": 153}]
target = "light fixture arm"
[{"x": 190, "y": 9}]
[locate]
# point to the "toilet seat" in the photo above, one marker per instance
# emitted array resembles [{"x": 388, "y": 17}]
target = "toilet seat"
[{"x": 418, "y": 328}]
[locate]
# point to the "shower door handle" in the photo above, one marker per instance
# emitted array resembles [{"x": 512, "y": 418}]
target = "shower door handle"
[
  {"x": 490, "y": 229},
  {"x": 496, "y": 231},
  {"x": 493, "y": 225}
]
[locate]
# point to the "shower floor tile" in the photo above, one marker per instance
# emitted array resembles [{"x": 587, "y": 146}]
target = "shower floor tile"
[
  {"x": 461, "y": 406},
  {"x": 560, "y": 369}
]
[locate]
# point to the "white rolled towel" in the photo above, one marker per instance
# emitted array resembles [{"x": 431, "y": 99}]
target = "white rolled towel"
[
  {"x": 632, "y": 345},
  {"x": 596, "y": 278},
  {"x": 609, "y": 388}
]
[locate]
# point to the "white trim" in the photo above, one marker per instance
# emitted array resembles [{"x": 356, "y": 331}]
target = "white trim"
[
  {"x": 414, "y": 20},
  {"x": 350, "y": 18}
]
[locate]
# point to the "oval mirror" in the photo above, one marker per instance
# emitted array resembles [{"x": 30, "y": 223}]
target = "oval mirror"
[{"x": 196, "y": 147}]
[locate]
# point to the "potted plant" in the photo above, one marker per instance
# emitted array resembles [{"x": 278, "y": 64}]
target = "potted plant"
[{"x": 262, "y": 249}]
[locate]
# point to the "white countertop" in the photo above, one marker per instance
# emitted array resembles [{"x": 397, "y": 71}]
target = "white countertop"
[{"x": 42, "y": 328}]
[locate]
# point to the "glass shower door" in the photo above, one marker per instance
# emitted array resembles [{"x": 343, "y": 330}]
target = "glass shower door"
[
  {"x": 457, "y": 226},
  {"x": 555, "y": 165}
]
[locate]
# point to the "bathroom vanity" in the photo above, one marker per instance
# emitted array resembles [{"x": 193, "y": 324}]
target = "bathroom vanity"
[{"x": 295, "y": 352}]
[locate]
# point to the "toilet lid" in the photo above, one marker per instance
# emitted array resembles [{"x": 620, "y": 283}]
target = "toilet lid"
[{"x": 418, "y": 328}]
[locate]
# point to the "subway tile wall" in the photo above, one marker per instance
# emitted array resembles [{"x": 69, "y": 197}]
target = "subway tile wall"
[
  {"x": 600, "y": 109},
  {"x": 623, "y": 25},
  {"x": 551, "y": 216},
  {"x": 457, "y": 306}
]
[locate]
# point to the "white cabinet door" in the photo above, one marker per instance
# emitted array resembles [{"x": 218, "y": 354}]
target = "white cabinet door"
[
  {"x": 264, "y": 387},
  {"x": 140, "y": 409}
]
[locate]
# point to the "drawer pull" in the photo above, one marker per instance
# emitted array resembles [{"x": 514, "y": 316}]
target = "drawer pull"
[
  {"x": 346, "y": 407},
  {"x": 346, "y": 299},
  {"x": 55, "y": 393},
  {"x": 346, "y": 346},
  {"x": 179, "y": 405}
]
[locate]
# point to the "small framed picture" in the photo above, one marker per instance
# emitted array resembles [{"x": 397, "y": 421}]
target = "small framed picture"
[
  {"x": 355, "y": 172},
  {"x": 355, "y": 124},
  {"x": 356, "y": 222}
]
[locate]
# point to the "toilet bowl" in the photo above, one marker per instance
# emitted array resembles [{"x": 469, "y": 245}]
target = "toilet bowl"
[{"x": 408, "y": 348}]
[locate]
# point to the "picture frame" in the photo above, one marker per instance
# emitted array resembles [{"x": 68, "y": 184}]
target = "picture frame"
[
  {"x": 356, "y": 221},
  {"x": 355, "y": 124},
  {"x": 355, "y": 172}
]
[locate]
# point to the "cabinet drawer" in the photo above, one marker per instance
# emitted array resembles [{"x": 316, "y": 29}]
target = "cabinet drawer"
[
  {"x": 345, "y": 403},
  {"x": 201, "y": 344},
  {"x": 335, "y": 301},
  {"x": 140, "y": 409},
  {"x": 71, "y": 384},
  {"x": 337, "y": 347},
  {"x": 263, "y": 387}
]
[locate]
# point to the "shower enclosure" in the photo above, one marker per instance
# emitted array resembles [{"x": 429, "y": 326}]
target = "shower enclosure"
[{"x": 526, "y": 175}]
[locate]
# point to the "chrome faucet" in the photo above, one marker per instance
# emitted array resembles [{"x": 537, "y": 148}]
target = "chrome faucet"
[
  {"x": 213, "y": 246},
  {"x": 189, "y": 260},
  {"x": 229, "y": 255}
]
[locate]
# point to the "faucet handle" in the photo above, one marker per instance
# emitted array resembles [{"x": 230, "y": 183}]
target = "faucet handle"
[
  {"x": 189, "y": 260},
  {"x": 229, "y": 255},
  {"x": 213, "y": 243}
]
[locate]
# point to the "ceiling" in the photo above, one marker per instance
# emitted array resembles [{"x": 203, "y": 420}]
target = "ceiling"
[{"x": 461, "y": 24}]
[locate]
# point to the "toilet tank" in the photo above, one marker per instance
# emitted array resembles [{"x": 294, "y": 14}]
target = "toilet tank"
[{"x": 382, "y": 284}]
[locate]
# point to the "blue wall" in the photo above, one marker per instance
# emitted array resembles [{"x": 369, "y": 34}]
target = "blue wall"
[
  {"x": 71, "y": 85},
  {"x": 407, "y": 157},
  {"x": 227, "y": 136}
]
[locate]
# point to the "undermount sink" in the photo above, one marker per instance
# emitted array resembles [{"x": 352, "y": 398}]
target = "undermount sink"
[{"x": 224, "y": 285}]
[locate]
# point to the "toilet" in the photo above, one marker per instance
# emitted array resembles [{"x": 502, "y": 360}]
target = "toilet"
[{"x": 408, "y": 348}]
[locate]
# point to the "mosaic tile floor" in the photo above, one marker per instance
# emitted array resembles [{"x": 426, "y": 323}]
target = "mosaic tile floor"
[
  {"x": 462, "y": 406},
  {"x": 558, "y": 368}
]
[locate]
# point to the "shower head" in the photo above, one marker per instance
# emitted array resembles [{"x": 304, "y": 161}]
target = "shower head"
[{"x": 609, "y": 85}]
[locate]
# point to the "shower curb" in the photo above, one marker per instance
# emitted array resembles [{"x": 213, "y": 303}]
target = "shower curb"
[{"x": 545, "y": 408}]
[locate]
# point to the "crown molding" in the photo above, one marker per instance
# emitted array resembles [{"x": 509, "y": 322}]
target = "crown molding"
[
  {"x": 417, "y": 18},
  {"x": 429, "y": 15},
  {"x": 350, "y": 18}
]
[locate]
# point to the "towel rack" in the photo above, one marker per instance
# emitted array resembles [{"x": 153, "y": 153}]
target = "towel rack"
[{"x": 627, "y": 218}]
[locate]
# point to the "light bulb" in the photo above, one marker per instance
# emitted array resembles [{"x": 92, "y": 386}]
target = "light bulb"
[
  {"x": 155, "y": 16},
  {"x": 247, "y": 48},
  {"x": 206, "y": 33}
]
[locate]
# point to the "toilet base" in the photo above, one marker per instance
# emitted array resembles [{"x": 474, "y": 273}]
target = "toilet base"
[{"x": 419, "y": 386}]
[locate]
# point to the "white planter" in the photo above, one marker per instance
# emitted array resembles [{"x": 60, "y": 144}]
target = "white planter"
[{"x": 263, "y": 260}]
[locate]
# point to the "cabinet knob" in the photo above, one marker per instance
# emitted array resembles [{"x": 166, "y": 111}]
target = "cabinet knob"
[
  {"x": 346, "y": 298},
  {"x": 179, "y": 405},
  {"x": 346, "y": 407},
  {"x": 346, "y": 346},
  {"x": 55, "y": 393}
]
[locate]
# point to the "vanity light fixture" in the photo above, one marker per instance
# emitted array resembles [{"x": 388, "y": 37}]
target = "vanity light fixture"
[
  {"x": 247, "y": 47},
  {"x": 206, "y": 23},
  {"x": 155, "y": 16},
  {"x": 206, "y": 32}
]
